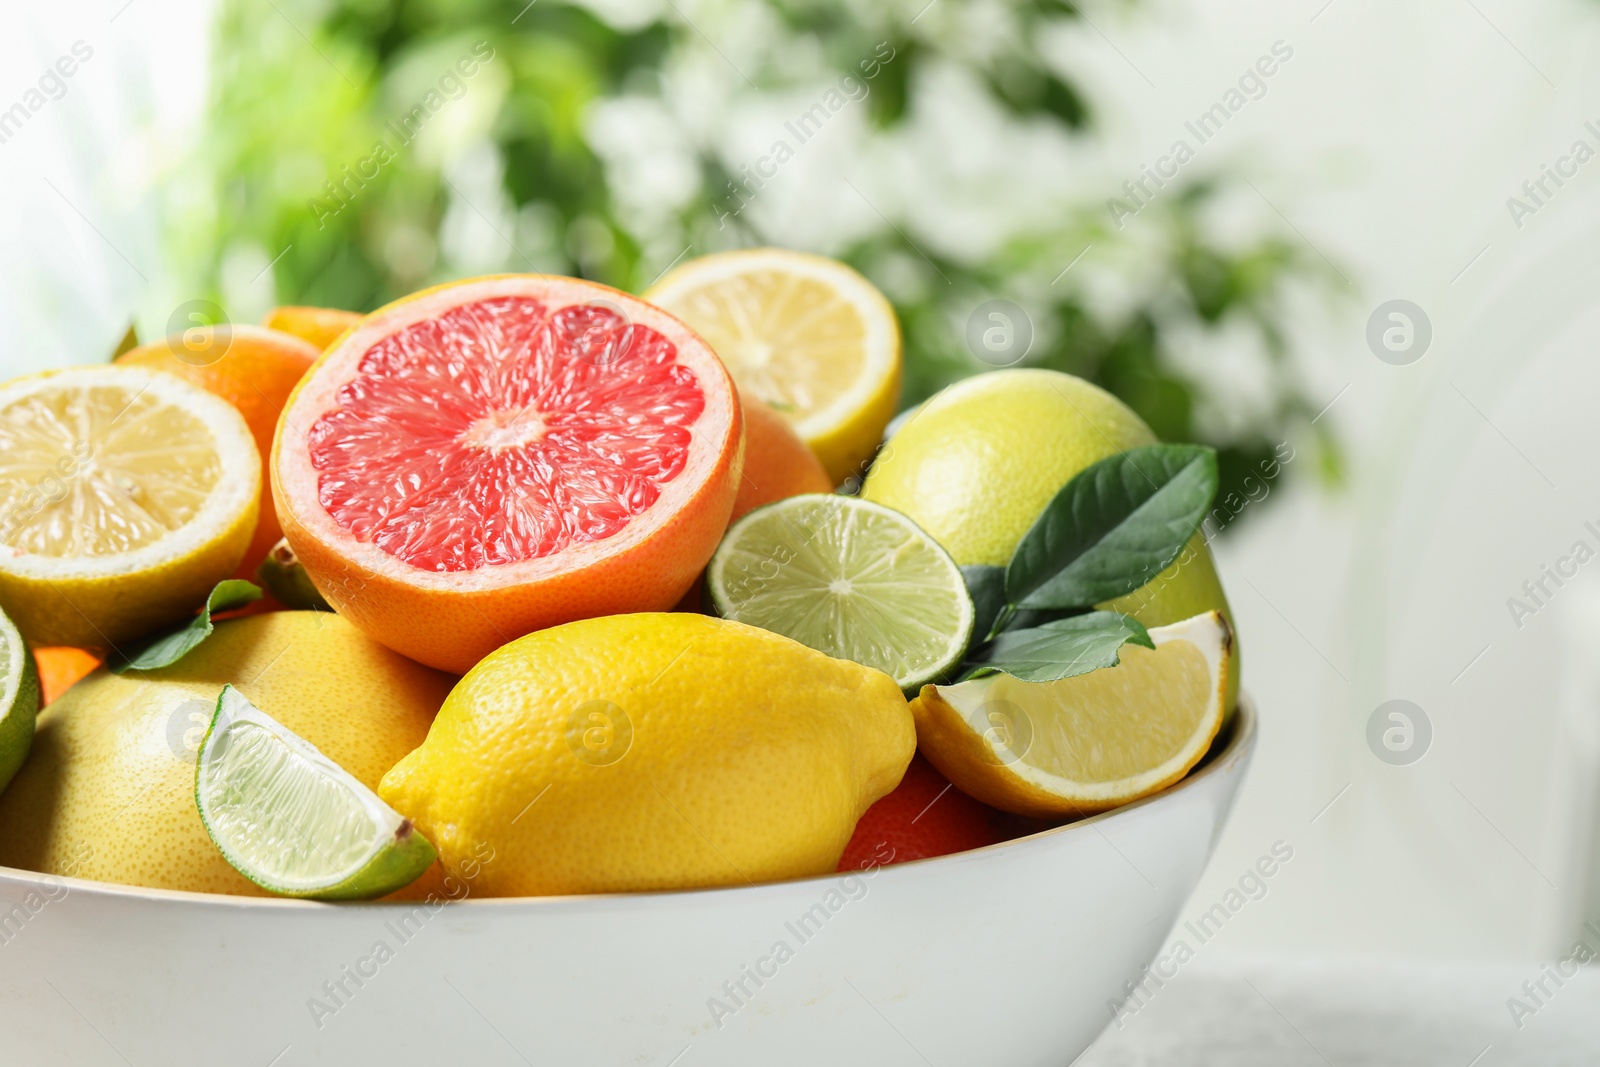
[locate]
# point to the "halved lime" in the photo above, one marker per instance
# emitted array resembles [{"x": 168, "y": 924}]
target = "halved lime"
[
  {"x": 293, "y": 821},
  {"x": 19, "y": 699},
  {"x": 856, "y": 580}
]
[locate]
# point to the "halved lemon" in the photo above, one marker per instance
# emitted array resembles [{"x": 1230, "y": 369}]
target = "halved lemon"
[
  {"x": 125, "y": 495},
  {"x": 1088, "y": 743},
  {"x": 806, "y": 334}
]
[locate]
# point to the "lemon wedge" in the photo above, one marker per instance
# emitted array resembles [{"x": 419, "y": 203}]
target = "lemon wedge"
[
  {"x": 1088, "y": 743},
  {"x": 125, "y": 496}
]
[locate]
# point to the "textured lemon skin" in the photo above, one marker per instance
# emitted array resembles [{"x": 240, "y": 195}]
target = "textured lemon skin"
[
  {"x": 106, "y": 612},
  {"x": 103, "y": 794},
  {"x": 980, "y": 461},
  {"x": 751, "y": 758}
]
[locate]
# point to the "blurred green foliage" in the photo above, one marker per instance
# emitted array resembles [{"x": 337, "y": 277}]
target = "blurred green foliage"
[{"x": 305, "y": 94}]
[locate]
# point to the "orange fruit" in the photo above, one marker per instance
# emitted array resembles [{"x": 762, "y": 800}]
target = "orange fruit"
[
  {"x": 319, "y": 326},
  {"x": 498, "y": 455},
  {"x": 926, "y": 816},
  {"x": 777, "y": 464},
  {"x": 805, "y": 333},
  {"x": 250, "y": 367},
  {"x": 60, "y": 668}
]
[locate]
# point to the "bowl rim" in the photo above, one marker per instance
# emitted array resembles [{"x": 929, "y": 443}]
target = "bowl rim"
[{"x": 1241, "y": 729}]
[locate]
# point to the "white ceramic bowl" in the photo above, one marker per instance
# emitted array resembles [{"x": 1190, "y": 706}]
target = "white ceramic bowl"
[{"x": 1006, "y": 955}]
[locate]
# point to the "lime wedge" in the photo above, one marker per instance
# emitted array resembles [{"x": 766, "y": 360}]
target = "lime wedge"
[
  {"x": 856, "y": 580},
  {"x": 293, "y": 821},
  {"x": 19, "y": 699}
]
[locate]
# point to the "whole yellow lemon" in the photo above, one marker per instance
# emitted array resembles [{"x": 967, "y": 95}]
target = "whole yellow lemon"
[
  {"x": 979, "y": 462},
  {"x": 108, "y": 790},
  {"x": 652, "y": 751}
]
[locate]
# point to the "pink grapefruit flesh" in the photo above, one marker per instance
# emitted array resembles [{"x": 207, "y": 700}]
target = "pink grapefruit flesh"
[{"x": 494, "y": 456}]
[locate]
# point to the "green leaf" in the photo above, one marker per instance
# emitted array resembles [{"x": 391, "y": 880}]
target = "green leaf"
[
  {"x": 987, "y": 586},
  {"x": 1114, "y": 527},
  {"x": 129, "y": 342},
  {"x": 1060, "y": 649},
  {"x": 169, "y": 648}
]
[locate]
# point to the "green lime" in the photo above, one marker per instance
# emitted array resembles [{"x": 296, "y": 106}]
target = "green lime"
[
  {"x": 856, "y": 580},
  {"x": 19, "y": 699},
  {"x": 293, "y": 821}
]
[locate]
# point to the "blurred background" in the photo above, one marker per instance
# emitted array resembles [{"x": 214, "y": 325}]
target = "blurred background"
[{"x": 1338, "y": 156}]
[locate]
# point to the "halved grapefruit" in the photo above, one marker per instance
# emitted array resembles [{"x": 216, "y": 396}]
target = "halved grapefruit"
[{"x": 490, "y": 457}]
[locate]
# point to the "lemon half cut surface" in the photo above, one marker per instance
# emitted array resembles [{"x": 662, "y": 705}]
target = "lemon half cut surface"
[
  {"x": 1088, "y": 743},
  {"x": 125, "y": 495},
  {"x": 808, "y": 335}
]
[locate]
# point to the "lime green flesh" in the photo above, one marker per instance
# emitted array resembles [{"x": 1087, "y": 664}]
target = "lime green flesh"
[
  {"x": 291, "y": 820},
  {"x": 19, "y": 700},
  {"x": 855, "y": 580}
]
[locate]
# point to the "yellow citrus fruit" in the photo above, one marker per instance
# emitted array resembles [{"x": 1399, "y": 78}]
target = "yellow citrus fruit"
[
  {"x": 978, "y": 463},
  {"x": 320, "y": 326},
  {"x": 1087, "y": 743},
  {"x": 255, "y": 370},
  {"x": 125, "y": 495},
  {"x": 108, "y": 791},
  {"x": 805, "y": 334},
  {"x": 653, "y": 751}
]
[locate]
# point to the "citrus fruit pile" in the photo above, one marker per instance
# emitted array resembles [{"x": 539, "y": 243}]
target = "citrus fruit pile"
[{"x": 561, "y": 597}]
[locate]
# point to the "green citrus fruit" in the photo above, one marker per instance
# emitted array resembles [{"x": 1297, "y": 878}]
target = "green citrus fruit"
[{"x": 979, "y": 462}]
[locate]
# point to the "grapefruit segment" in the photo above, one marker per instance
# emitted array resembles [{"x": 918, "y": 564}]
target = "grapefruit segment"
[{"x": 495, "y": 456}]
